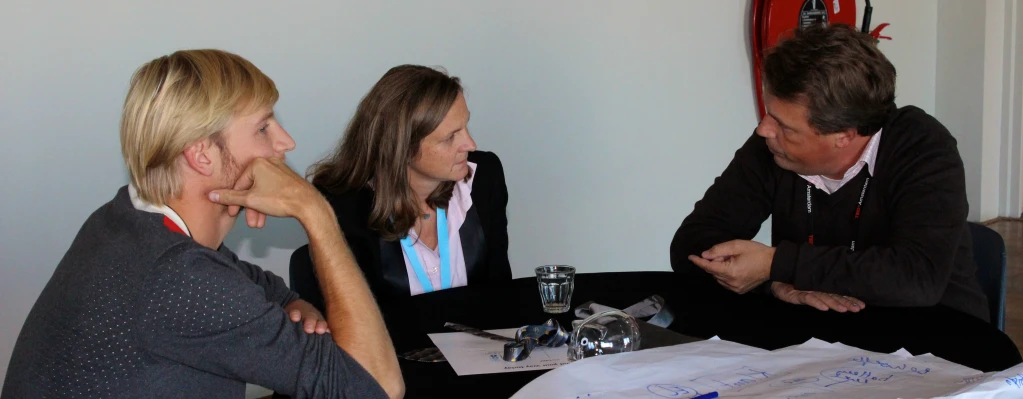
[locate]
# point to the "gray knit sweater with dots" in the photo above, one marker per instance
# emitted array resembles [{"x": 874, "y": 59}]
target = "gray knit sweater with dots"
[{"x": 134, "y": 310}]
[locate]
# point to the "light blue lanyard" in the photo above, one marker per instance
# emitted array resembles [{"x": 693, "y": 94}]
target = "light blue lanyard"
[{"x": 445, "y": 255}]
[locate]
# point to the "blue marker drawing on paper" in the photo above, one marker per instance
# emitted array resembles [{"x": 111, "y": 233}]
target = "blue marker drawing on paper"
[
  {"x": 739, "y": 378},
  {"x": 795, "y": 381},
  {"x": 1016, "y": 381},
  {"x": 856, "y": 375},
  {"x": 970, "y": 380},
  {"x": 805, "y": 386},
  {"x": 671, "y": 391},
  {"x": 866, "y": 360}
]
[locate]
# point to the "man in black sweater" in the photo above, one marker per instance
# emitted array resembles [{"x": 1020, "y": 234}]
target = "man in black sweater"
[
  {"x": 868, "y": 200},
  {"x": 148, "y": 302}
]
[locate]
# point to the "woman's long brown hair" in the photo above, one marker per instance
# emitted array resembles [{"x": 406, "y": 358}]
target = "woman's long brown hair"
[{"x": 405, "y": 106}]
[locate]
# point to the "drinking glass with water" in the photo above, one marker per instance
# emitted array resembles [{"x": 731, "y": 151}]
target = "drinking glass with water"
[{"x": 556, "y": 283}]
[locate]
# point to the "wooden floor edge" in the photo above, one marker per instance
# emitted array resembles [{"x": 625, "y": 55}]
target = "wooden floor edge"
[{"x": 1001, "y": 219}]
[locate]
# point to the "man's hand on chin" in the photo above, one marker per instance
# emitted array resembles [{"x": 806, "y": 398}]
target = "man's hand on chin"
[
  {"x": 269, "y": 187},
  {"x": 739, "y": 265}
]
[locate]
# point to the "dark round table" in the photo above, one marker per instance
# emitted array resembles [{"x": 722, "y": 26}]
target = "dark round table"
[{"x": 702, "y": 308}]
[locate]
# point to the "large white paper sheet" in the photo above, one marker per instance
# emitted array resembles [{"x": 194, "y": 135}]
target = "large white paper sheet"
[
  {"x": 815, "y": 369},
  {"x": 469, "y": 354}
]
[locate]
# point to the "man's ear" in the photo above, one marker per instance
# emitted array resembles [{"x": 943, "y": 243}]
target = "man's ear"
[
  {"x": 845, "y": 138},
  {"x": 199, "y": 156}
]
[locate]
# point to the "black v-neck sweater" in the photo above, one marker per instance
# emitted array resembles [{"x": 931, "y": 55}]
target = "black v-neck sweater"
[{"x": 913, "y": 246}]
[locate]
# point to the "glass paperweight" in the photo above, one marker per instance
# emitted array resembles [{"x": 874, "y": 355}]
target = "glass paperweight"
[{"x": 603, "y": 333}]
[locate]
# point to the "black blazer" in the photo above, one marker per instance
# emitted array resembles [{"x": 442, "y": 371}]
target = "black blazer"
[{"x": 484, "y": 237}]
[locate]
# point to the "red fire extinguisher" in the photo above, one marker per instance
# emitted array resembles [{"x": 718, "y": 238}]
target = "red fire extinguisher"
[{"x": 773, "y": 20}]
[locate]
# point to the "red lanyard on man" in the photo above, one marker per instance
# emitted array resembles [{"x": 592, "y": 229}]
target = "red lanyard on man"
[{"x": 856, "y": 216}]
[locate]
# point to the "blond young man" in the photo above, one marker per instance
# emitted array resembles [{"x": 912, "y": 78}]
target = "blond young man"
[{"x": 148, "y": 302}]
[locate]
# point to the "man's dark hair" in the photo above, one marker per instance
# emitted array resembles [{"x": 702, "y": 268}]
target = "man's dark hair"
[{"x": 838, "y": 73}]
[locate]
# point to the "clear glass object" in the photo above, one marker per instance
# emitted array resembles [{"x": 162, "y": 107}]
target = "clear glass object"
[
  {"x": 556, "y": 283},
  {"x": 604, "y": 333}
]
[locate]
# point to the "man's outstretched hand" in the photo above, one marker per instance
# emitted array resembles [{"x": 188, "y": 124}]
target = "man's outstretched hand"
[{"x": 821, "y": 300}]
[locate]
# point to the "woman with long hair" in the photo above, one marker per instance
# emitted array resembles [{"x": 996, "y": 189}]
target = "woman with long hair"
[{"x": 421, "y": 209}]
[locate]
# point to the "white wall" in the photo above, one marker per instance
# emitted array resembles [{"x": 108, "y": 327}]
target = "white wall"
[
  {"x": 1002, "y": 133},
  {"x": 996, "y": 67},
  {"x": 1012, "y": 133},
  {"x": 960, "y": 86},
  {"x": 611, "y": 118},
  {"x": 913, "y": 49}
]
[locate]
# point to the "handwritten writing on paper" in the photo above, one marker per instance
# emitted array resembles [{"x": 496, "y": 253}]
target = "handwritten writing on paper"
[
  {"x": 1015, "y": 381},
  {"x": 970, "y": 380},
  {"x": 856, "y": 375},
  {"x": 815, "y": 369},
  {"x": 468, "y": 354},
  {"x": 672, "y": 391},
  {"x": 739, "y": 378},
  {"x": 865, "y": 360}
]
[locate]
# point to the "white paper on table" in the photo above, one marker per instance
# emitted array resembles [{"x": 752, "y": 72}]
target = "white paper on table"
[
  {"x": 469, "y": 354},
  {"x": 815, "y": 369}
]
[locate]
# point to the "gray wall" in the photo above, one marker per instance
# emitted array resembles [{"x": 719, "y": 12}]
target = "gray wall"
[{"x": 960, "y": 85}]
